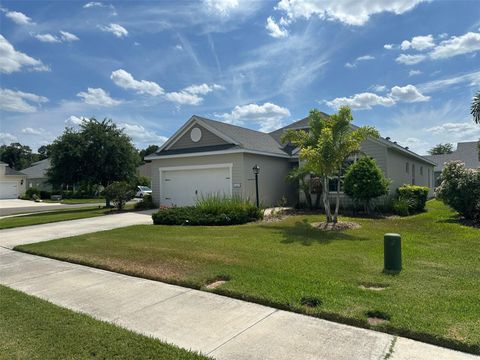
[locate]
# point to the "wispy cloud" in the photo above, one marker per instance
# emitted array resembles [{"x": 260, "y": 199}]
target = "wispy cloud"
[
  {"x": 19, "y": 101},
  {"x": 98, "y": 97},
  {"x": 116, "y": 29},
  {"x": 12, "y": 60}
]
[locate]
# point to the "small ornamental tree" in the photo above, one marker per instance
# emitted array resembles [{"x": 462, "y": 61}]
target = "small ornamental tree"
[
  {"x": 119, "y": 192},
  {"x": 365, "y": 181}
]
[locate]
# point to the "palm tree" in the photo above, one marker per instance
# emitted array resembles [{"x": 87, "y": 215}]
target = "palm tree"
[
  {"x": 325, "y": 148},
  {"x": 475, "y": 108}
]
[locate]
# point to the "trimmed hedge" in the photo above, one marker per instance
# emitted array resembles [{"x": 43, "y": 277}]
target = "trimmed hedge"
[
  {"x": 210, "y": 211},
  {"x": 415, "y": 196},
  {"x": 145, "y": 204}
]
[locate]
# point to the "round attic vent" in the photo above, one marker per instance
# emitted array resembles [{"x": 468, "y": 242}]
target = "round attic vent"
[{"x": 196, "y": 134}]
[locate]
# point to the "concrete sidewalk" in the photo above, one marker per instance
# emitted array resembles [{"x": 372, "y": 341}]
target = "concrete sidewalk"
[
  {"x": 9, "y": 238},
  {"x": 219, "y": 326}
]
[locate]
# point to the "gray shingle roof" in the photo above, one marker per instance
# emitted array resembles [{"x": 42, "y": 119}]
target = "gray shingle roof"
[
  {"x": 10, "y": 171},
  {"x": 247, "y": 138},
  {"x": 38, "y": 169},
  {"x": 466, "y": 152}
]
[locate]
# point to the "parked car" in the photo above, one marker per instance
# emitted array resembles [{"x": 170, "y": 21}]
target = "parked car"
[{"x": 142, "y": 191}]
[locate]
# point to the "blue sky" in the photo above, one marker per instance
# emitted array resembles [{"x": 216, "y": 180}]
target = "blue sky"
[{"x": 409, "y": 68}]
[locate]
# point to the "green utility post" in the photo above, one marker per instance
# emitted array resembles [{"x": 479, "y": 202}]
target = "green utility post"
[{"x": 392, "y": 253}]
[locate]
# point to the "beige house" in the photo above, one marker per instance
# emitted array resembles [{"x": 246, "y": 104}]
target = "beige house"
[
  {"x": 12, "y": 182},
  {"x": 206, "y": 156}
]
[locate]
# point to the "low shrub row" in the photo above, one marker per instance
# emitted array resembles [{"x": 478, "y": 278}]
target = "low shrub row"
[
  {"x": 410, "y": 199},
  {"x": 145, "y": 204},
  {"x": 212, "y": 210},
  {"x": 34, "y": 193}
]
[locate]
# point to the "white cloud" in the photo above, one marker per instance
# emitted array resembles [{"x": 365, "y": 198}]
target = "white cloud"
[
  {"x": 47, "y": 38},
  {"x": 473, "y": 79},
  {"x": 141, "y": 135},
  {"x": 116, "y": 29},
  {"x": 367, "y": 100},
  {"x": 274, "y": 30},
  {"x": 191, "y": 95},
  {"x": 413, "y": 142},
  {"x": 75, "y": 120},
  {"x": 358, "y": 59},
  {"x": 66, "y": 36},
  {"x": 414, "y": 72},
  {"x": 457, "y": 45},
  {"x": 221, "y": 7},
  {"x": 410, "y": 59},
  {"x": 7, "y": 138},
  {"x": 18, "y": 17},
  {"x": 388, "y": 46},
  {"x": 18, "y": 101},
  {"x": 98, "y": 97},
  {"x": 361, "y": 101},
  {"x": 267, "y": 116},
  {"x": 408, "y": 93},
  {"x": 460, "y": 130},
  {"x": 125, "y": 80},
  {"x": 418, "y": 43},
  {"x": 349, "y": 12},
  {"x": 378, "y": 88},
  {"x": 183, "y": 98},
  {"x": 203, "y": 89},
  {"x": 93, "y": 4},
  {"x": 12, "y": 60},
  {"x": 32, "y": 131}
]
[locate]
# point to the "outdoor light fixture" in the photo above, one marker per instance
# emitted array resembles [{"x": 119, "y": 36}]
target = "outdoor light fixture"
[
  {"x": 256, "y": 170},
  {"x": 21, "y": 182}
]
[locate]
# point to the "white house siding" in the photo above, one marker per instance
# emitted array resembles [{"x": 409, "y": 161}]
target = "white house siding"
[
  {"x": 376, "y": 151},
  {"x": 397, "y": 172},
  {"x": 272, "y": 185},
  {"x": 235, "y": 159}
]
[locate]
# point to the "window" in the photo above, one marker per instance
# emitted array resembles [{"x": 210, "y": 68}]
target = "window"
[
  {"x": 413, "y": 174},
  {"x": 407, "y": 167},
  {"x": 333, "y": 181},
  {"x": 421, "y": 170}
]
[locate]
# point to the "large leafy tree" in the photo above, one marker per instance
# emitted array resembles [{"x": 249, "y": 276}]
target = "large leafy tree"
[
  {"x": 98, "y": 153},
  {"x": 439, "y": 149},
  {"x": 17, "y": 156},
  {"x": 326, "y": 146}
]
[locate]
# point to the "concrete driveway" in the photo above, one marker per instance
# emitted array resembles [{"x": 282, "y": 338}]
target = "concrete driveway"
[
  {"x": 16, "y": 206},
  {"x": 9, "y": 238}
]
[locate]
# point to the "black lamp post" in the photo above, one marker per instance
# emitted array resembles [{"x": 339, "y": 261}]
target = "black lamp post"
[{"x": 256, "y": 170}]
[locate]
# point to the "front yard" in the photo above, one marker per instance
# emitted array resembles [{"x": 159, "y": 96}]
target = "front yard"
[
  {"x": 289, "y": 265},
  {"x": 31, "y": 328}
]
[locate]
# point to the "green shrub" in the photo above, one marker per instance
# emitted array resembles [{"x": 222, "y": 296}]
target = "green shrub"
[
  {"x": 401, "y": 207},
  {"x": 460, "y": 189},
  {"x": 211, "y": 210},
  {"x": 145, "y": 204},
  {"x": 364, "y": 181},
  {"x": 416, "y": 197},
  {"x": 32, "y": 191},
  {"x": 44, "y": 195},
  {"x": 119, "y": 192}
]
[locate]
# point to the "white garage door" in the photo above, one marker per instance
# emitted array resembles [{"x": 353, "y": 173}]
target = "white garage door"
[
  {"x": 8, "y": 190},
  {"x": 183, "y": 187}
]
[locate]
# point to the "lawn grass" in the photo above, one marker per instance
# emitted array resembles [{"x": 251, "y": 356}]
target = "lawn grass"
[
  {"x": 436, "y": 298},
  {"x": 51, "y": 216},
  {"x": 31, "y": 328}
]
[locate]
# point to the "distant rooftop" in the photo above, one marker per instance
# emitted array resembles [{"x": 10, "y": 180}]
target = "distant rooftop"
[{"x": 467, "y": 152}]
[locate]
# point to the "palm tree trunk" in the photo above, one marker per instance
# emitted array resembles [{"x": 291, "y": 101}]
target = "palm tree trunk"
[
  {"x": 326, "y": 200},
  {"x": 337, "y": 205}
]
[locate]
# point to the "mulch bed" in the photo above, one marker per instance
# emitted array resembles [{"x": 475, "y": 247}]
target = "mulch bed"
[{"x": 338, "y": 226}]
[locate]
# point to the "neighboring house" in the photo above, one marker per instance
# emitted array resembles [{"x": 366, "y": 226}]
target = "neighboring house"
[
  {"x": 206, "y": 156},
  {"x": 12, "y": 182},
  {"x": 37, "y": 175},
  {"x": 467, "y": 152},
  {"x": 145, "y": 170}
]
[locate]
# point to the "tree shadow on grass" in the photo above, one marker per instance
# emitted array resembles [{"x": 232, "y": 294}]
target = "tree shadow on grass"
[{"x": 304, "y": 233}]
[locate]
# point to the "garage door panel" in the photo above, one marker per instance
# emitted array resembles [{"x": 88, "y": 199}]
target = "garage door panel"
[
  {"x": 184, "y": 187},
  {"x": 8, "y": 190}
]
